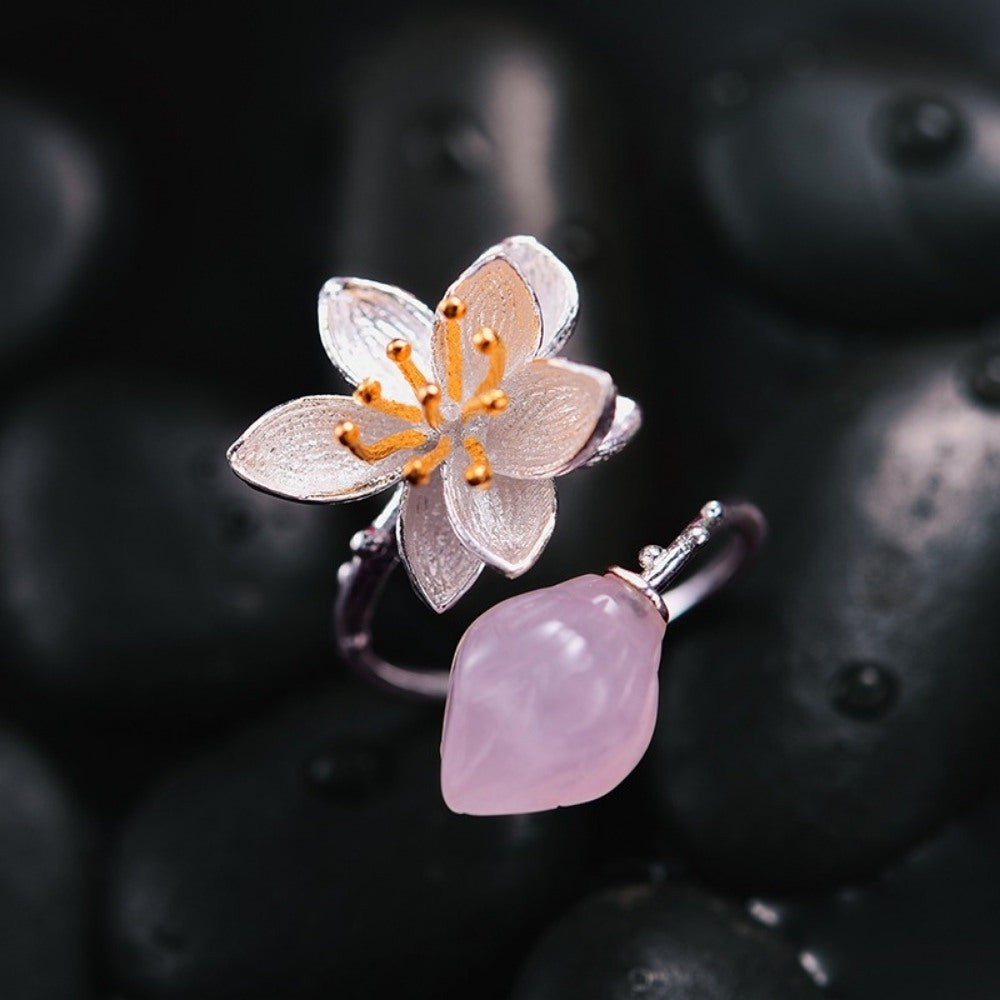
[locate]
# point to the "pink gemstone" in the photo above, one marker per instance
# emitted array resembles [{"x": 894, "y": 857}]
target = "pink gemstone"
[{"x": 552, "y": 699}]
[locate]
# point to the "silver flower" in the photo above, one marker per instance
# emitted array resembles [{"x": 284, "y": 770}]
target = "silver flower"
[{"x": 466, "y": 406}]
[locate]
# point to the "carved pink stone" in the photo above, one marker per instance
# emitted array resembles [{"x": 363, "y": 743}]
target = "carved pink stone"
[{"x": 552, "y": 699}]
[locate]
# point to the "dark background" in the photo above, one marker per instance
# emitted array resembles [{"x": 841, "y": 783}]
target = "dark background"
[{"x": 785, "y": 224}]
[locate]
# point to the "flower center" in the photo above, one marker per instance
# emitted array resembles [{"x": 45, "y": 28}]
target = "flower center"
[{"x": 443, "y": 418}]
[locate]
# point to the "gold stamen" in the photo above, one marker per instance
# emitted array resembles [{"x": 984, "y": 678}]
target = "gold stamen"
[
  {"x": 487, "y": 342},
  {"x": 453, "y": 309},
  {"x": 418, "y": 470},
  {"x": 347, "y": 434},
  {"x": 400, "y": 353},
  {"x": 430, "y": 400},
  {"x": 479, "y": 473},
  {"x": 491, "y": 403},
  {"x": 369, "y": 393}
]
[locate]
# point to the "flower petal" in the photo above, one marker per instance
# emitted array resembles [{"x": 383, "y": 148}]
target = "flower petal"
[
  {"x": 554, "y": 287},
  {"x": 627, "y": 421},
  {"x": 558, "y": 414},
  {"x": 358, "y": 318},
  {"x": 507, "y": 525},
  {"x": 441, "y": 568},
  {"x": 495, "y": 295},
  {"x": 291, "y": 451}
]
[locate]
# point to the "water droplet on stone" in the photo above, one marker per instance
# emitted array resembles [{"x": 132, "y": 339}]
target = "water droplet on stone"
[
  {"x": 921, "y": 132},
  {"x": 864, "y": 690}
]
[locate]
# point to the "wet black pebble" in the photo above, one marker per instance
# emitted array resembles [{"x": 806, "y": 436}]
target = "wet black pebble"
[
  {"x": 841, "y": 703},
  {"x": 661, "y": 943},
  {"x": 45, "y": 917},
  {"x": 312, "y": 856},
  {"x": 514, "y": 132},
  {"x": 864, "y": 190},
  {"x": 926, "y": 928},
  {"x": 140, "y": 578},
  {"x": 54, "y": 214}
]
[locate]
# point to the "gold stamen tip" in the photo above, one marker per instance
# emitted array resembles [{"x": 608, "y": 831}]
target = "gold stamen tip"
[
  {"x": 368, "y": 391},
  {"x": 346, "y": 433},
  {"x": 485, "y": 340},
  {"x": 428, "y": 393},
  {"x": 414, "y": 472},
  {"x": 398, "y": 350},
  {"x": 495, "y": 401},
  {"x": 452, "y": 307},
  {"x": 478, "y": 475}
]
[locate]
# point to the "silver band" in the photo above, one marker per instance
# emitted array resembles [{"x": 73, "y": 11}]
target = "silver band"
[{"x": 375, "y": 556}]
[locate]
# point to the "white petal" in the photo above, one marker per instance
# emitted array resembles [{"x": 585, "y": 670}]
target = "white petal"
[
  {"x": 441, "y": 568},
  {"x": 507, "y": 525},
  {"x": 357, "y": 318},
  {"x": 496, "y": 296},
  {"x": 554, "y": 287},
  {"x": 558, "y": 414},
  {"x": 291, "y": 451},
  {"x": 627, "y": 421}
]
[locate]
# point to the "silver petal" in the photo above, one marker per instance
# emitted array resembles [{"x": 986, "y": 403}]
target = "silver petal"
[
  {"x": 557, "y": 416},
  {"x": 554, "y": 287},
  {"x": 507, "y": 525},
  {"x": 496, "y": 296},
  {"x": 291, "y": 451},
  {"x": 626, "y": 422},
  {"x": 358, "y": 318},
  {"x": 441, "y": 568}
]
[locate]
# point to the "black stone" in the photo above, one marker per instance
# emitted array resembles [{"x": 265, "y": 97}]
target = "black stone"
[
  {"x": 140, "y": 578},
  {"x": 54, "y": 216},
  {"x": 655, "y": 943},
  {"x": 860, "y": 190},
  {"x": 312, "y": 856},
  {"x": 926, "y": 928},
  {"x": 45, "y": 875},
  {"x": 842, "y": 703},
  {"x": 513, "y": 132}
]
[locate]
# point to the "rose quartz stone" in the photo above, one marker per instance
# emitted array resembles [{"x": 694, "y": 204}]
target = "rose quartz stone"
[{"x": 552, "y": 699}]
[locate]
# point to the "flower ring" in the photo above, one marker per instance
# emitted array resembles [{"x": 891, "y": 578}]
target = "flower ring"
[{"x": 466, "y": 405}]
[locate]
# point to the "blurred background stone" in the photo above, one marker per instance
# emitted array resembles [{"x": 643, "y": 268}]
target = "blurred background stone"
[
  {"x": 57, "y": 211},
  {"x": 866, "y": 188},
  {"x": 810, "y": 731},
  {"x": 925, "y": 928},
  {"x": 312, "y": 855},
  {"x": 675, "y": 942},
  {"x": 515, "y": 131},
  {"x": 46, "y": 910},
  {"x": 141, "y": 582}
]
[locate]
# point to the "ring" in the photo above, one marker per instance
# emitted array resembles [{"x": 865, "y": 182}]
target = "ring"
[{"x": 551, "y": 699}]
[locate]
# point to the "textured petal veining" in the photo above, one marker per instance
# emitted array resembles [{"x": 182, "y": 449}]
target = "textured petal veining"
[
  {"x": 554, "y": 287},
  {"x": 441, "y": 568},
  {"x": 358, "y": 318},
  {"x": 557, "y": 416},
  {"x": 291, "y": 451},
  {"x": 497, "y": 297},
  {"x": 507, "y": 525}
]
